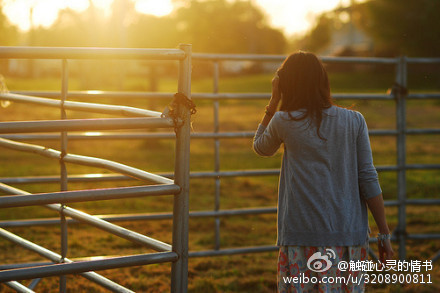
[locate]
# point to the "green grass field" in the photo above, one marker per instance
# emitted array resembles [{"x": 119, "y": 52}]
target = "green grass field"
[{"x": 237, "y": 273}]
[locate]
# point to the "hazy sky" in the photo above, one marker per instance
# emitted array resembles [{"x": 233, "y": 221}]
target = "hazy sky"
[{"x": 292, "y": 16}]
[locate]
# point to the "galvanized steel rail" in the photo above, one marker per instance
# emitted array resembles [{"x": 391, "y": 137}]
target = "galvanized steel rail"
[
  {"x": 56, "y": 258},
  {"x": 91, "y": 53},
  {"x": 177, "y": 253},
  {"x": 89, "y": 107},
  {"x": 84, "y": 195},
  {"x": 84, "y": 124},
  {"x": 84, "y": 160}
]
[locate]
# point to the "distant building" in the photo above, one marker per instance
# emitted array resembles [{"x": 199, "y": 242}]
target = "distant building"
[
  {"x": 349, "y": 41},
  {"x": 346, "y": 38}
]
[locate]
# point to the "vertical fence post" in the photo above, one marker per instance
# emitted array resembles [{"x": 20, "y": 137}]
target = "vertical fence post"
[
  {"x": 400, "y": 95},
  {"x": 63, "y": 171},
  {"x": 179, "y": 268},
  {"x": 216, "y": 154}
]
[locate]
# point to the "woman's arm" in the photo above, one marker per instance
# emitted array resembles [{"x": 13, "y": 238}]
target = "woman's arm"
[
  {"x": 370, "y": 189},
  {"x": 267, "y": 140},
  {"x": 376, "y": 206}
]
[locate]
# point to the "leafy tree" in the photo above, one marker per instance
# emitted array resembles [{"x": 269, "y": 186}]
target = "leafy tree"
[
  {"x": 8, "y": 32},
  {"x": 218, "y": 26},
  {"x": 320, "y": 36},
  {"x": 224, "y": 27},
  {"x": 8, "y": 37},
  {"x": 150, "y": 31},
  {"x": 89, "y": 28},
  {"x": 401, "y": 26}
]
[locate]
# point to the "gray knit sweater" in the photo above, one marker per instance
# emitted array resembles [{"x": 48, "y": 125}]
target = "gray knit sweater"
[{"x": 323, "y": 183}]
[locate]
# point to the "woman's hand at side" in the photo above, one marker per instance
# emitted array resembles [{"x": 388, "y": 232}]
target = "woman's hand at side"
[
  {"x": 376, "y": 206},
  {"x": 385, "y": 250}
]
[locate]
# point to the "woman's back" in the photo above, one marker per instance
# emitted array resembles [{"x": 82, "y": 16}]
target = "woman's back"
[{"x": 321, "y": 178}]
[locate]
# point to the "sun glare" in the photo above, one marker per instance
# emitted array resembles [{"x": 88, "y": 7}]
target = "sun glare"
[
  {"x": 25, "y": 13},
  {"x": 44, "y": 13},
  {"x": 154, "y": 7},
  {"x": 28, "y": 13},
  {"x": 291, "y": 16}
]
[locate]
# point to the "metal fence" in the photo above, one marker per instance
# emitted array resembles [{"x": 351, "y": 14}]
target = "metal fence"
[
  {"x": 398, "y": 96},
  {"x": 156, "y": 185}
]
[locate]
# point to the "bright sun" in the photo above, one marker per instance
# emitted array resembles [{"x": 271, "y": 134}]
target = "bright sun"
[{"x": 154, "y": 7}]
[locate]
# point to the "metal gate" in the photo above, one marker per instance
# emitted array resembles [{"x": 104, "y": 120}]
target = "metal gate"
[
  {"x": 399, "y": 95},
  {"x": 155, "y": 185}
]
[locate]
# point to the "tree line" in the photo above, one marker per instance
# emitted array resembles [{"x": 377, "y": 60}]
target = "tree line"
[
  {"x": 396, "y": 27},
  {"x": 210, "y": 26}
]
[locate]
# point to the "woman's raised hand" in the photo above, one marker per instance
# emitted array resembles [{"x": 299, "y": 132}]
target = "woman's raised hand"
[{"x": 276, "y": 95}]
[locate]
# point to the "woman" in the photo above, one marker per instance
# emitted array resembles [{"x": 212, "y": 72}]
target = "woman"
[{"x": 327, "y": 180}]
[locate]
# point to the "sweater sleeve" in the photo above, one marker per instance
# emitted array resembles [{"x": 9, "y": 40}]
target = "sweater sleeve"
[
  {"x": 368, "y": 179},
  {"x": 267, "y": 140}
]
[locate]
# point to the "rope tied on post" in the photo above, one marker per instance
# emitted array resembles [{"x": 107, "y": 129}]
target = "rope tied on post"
[
  {"x": 398, "y": 90},
  {"x": 172, "y": 110}
]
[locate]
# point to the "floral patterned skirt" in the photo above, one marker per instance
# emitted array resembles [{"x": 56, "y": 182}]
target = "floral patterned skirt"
[{"x": 315, "y": 269}]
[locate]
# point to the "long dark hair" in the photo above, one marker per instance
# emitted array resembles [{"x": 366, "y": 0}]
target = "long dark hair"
[{"x": 304, "y": 84}]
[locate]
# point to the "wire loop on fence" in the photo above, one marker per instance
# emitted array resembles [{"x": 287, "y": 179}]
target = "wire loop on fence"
[{"x": 172, "y": 109}]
